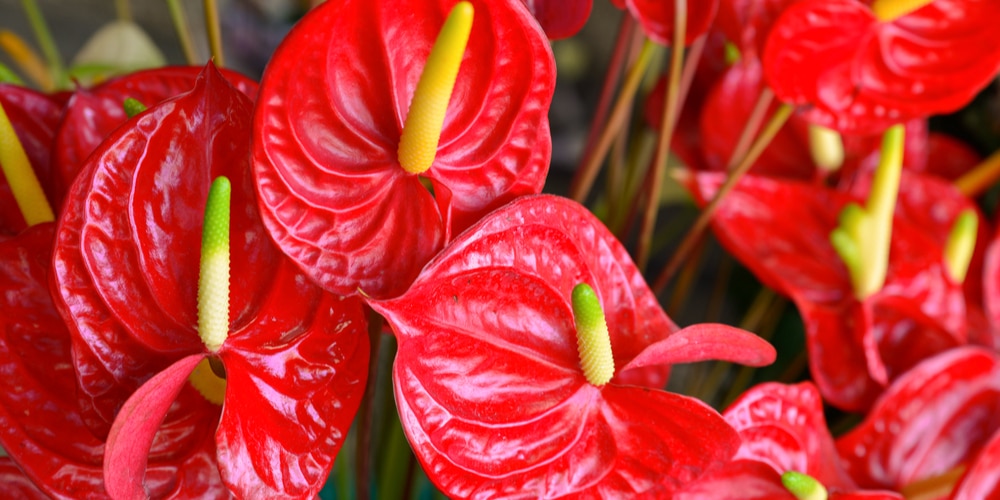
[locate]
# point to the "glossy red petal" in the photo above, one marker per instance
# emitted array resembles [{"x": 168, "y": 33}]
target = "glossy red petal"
[
  {"x": 657, "y": 18},
  {"x": 42, "y": 426},
  {"x": 291, "y": 398},
  {"x": 933, "y": 418},
  {"x": 487, "y": 375},
  {"x": 560, "y": 18},
  {"x": 857, "y": 73},
  {"x": 704, "y": 342},
  {"x": 740, "y": 479},
  {"x": 35, "y": 117},
  {"x": 334, "y": 196},
  {"x": 92, "y": 114},
  {"x": 15, "y": 485},
  {"x": 783, "y": 426},
  {"x": 982, "y": 478},
  {"x": 747, "y": 23},
  {"x": 127, "y": 250},
  {"x": 560, "y": 240},
  {"x": 131, "y": 438},
  {"x": 780, "y": 230}
]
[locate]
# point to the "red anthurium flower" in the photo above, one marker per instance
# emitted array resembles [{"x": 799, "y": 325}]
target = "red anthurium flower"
[
  {"x": 982, "y": 478},
  {"x": 783, "y": 425},
  {"x": 560, "y": 18},
  {"x": 935, "y": 418},
  {"x": 91, "y": 114},
  {"x": 856, "y": 72},
  {"x": 126, "y": 269},
  {"x": 783, "y": 429},
  {"x": 34, "y": 116},
  {"x": 488, "y": 377},
  {"x": 781, "y": 231},
  {"x": 329, "y": 122},
  {"x": 40, "y": 424}
]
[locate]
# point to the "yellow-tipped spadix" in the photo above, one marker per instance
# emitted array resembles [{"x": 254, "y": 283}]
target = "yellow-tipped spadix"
[
  {"x": 592, "y": 337},
  {"x": 213, "y": 279},
  {"x": 422, "y": 130},
  {"x": 803, "y": 487},
  {"x": 826, "y": 148},
  {"x": 961, "y": 244},
  {"x": 862, "y": 237},
  {"x": 889, "y": 10},
  {"x": 20, "y": 177}
]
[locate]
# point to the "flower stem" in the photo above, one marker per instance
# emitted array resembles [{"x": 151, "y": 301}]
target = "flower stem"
[
  {"x": 770, "y": 130},
  {"x": 27, "y": 59},
  {"x": 214, "y": 32},
  {"x": 47, "y": 43},
  {"x": 183, "y": 33},
  {"x": 671, "y": 110},
  {"x": 583, "y": 180},
  {"x": 611, "y": 77},
  {"x": 981, "y": 177},
  {"x": 363, "y": 458}
]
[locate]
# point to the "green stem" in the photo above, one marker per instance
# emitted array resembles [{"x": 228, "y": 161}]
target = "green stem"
[
  {"x": 671, "y": 110},
  {"x": 770, "y": 130},
  {"x": 584, "y": 178},
  {"x": 47, "y": 43},
  {"x": 366, "y": 412},
  {"x": 9, "y": 76},
  {"x": 214, "y": 32},
  {"x": 183, "y": 32}
]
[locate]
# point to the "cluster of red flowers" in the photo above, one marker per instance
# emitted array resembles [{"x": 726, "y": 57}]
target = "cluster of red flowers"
[{"x": 532, "y": 356}]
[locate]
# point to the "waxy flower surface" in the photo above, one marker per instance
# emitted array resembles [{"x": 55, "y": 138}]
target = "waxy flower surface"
[
  {"x": 126, "y": 274},
  {"x": 43, "y": 429},
  {"x": 488, "y": 376},
  {"x": 93, "y": 113},
  {"x": 781, "y": 231},
  {"x": 855, "y": 71},
  {"x": 328, "y": 127}
]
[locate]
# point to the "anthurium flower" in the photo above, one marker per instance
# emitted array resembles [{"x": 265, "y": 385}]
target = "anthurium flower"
[
  {"x": 126, "y": 268},
  {"x": 93, "y": 113},
  {"x": 41, "y": 427},
  {"x": 783, "y": 432},
  {"x": 781, "y": 231},
  {"x": 858, "y": 69},
  {"x": 560, "y": 18},
  {"x": 15, "y": 484},
  {"x": 929, "y": 423},
  {"x": 498, "y": 399},
  {"x": 34, "y": 117},
  {"x": 330, "y": 122}
]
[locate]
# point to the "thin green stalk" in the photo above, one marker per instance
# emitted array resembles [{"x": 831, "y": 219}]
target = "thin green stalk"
[
  {"x": 395, "y": 462},
  {"x": 214, "y": 32},
  {"x": 9, "y": 76},
  {"x": 750, "y": 128},
  {"x": 615, "y": 68},
  {"x": 671, "y": 110},
  {"x": 363, "y": 458},
  {"x": 770, "y": 130},
  {"x": 47, "y": 43},
  {"x": 584, "y": 178},
  {"x": 183, "y": 33},
  {"x": 123, "y": 10}
]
